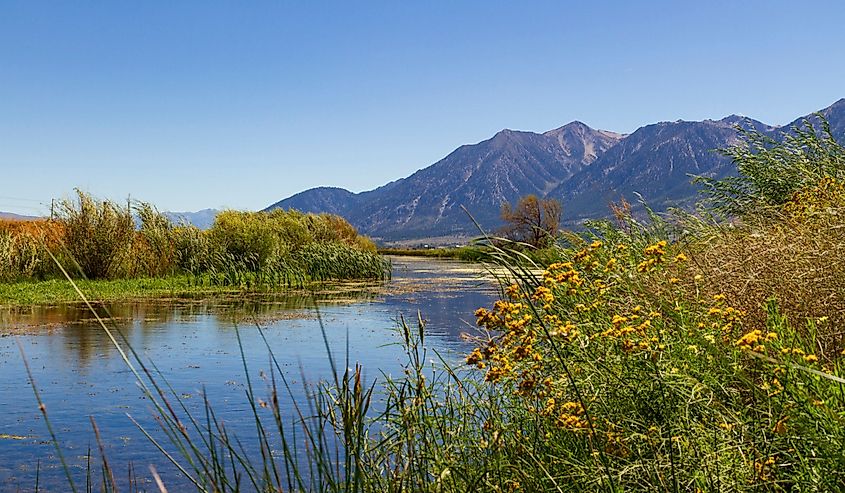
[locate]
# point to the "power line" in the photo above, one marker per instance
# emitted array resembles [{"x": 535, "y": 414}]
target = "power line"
[{"x": 40, "y": 201}]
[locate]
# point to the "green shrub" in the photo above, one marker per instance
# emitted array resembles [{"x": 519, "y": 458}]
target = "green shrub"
[
  {"x": 333, "y": 261},
  {"x": 770, "y": 170},
  {"x": 98, "y": 235}
]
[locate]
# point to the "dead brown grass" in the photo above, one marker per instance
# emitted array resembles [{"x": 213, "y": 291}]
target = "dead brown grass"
[{"x": 795, "y": 256}]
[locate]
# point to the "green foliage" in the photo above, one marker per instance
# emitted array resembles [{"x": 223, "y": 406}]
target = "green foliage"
[
  {"x": 103, "y": 240},
  {"x": 153, "y": 244},
  {"x": 466, "y": 253},
  {"x": 289, "y": 247},
  {"x": 98, "y": 235},
  {"x": 770, "y": 170},
  {"x": 51, "y": 291},
  {"x": 334, "y": 261}
]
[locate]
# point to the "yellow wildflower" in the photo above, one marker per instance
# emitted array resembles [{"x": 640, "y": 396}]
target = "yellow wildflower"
[
  {"x": 475, "y": 357},
  {"x": 543, "y": 294},
  {"x": 780, "y": 426},
  {"x": 749, "y": 339}
]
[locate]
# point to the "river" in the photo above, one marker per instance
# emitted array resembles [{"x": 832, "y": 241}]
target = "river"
[{"x": 194, "y": 344}]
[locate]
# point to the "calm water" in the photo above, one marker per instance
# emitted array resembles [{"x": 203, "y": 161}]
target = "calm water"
[{"x": 79, "y": 373}]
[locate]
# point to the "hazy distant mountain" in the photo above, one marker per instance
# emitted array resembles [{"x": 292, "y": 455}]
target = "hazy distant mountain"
[
  {"x": 202, "y": 219},
  {"x": 584, "y": 168},
  {"x": 16, "y": 217}
]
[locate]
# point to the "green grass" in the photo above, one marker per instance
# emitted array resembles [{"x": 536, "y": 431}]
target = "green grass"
[
  {"x": 467, "y": 253},
  {"x": 60, "y": 291}
]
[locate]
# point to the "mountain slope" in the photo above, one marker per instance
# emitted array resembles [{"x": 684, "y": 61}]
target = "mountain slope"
[
  {"x": 16, "y": 217},
  {"x": 479, "y": 177},
  {"x": 202, "y": 219},
  {"x": 654, "y": 161},
  {"x": 584, "y": 168},
  {"x": 323, "y": 199}
]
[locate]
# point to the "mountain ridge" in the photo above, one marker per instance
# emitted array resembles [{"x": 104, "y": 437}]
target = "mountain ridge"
[{"x": 583, "y": 167}]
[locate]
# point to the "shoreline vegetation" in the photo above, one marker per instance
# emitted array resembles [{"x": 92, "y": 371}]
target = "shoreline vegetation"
[
  {"x": 119, "y": 252},
  {"x": 466, "y": 253},
  {"x": 684, "y": 352}
]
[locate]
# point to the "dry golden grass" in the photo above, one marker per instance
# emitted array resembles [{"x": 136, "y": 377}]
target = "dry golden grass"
[
  {"x": 50, "y": 231},
  {"x": 794, "y": 256}
]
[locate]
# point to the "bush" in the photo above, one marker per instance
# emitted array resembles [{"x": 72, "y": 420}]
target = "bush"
[
  {"x": 621, "y": 372},
  {"x": 789, "y": 256},
  {"x": 532, "y": 221},
  {"x": 98, "y": 235},
  {"x": 23, "y": 249},
  {"x": 771, "y": 171},
  {"x": 281, "y": 240}
]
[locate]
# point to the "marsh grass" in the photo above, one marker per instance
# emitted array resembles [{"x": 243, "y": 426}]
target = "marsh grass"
[
  {"x": 601, "y": 371},
  {"x": 132, "y": 250},
  {"x": 466, "y": 253}
]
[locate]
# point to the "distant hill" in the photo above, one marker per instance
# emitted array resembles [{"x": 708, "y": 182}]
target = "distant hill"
[
  {"x": 17, "y": 217},
  {"x": 202, "y": 219},
  {"x": 584, "y": 168}
]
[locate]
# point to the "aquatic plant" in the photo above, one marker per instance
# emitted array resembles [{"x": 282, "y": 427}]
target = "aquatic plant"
[{"x": 99, "y": 239}]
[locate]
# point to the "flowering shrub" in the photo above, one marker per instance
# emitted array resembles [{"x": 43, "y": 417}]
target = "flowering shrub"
[{"x": 622, "y": 363}]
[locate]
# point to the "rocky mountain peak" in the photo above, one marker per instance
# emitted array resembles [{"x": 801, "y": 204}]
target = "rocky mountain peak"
[{"x": 583, "y": 167}]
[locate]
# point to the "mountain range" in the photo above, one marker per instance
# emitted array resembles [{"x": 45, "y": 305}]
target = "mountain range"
[
  {"x": 584, "y": 168},
  {"x": 16, "y": 217},
  {"x": 202, "y": 219}
]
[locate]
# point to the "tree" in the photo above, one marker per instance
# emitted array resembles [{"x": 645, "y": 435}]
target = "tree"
[{"x": 532, "y": 220}]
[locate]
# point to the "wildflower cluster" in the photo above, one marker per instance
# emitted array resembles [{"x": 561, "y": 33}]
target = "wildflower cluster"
[
  {"x": 811, "y": 202},
  {"x": 653, "y": 256},
  {"x": 587, "y": 344}
]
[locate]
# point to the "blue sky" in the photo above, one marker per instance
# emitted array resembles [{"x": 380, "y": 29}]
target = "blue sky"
[{"x": 239, "y": 104}]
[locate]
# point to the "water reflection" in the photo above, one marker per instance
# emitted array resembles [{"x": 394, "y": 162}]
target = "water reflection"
[{"x": 193, "y": 343}]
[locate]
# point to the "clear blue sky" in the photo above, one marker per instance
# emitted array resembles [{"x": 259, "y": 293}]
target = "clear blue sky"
[{"x": 239, "y": 104}]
